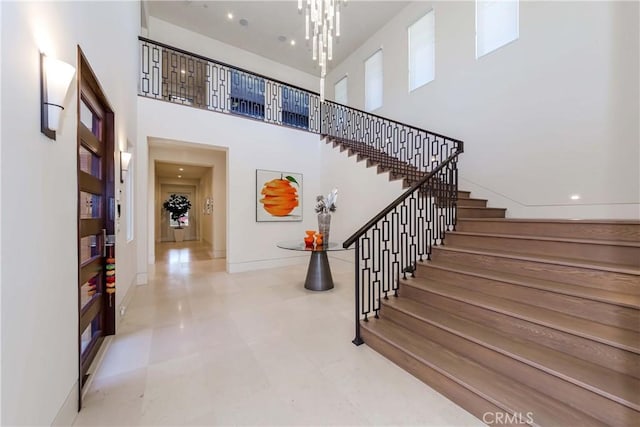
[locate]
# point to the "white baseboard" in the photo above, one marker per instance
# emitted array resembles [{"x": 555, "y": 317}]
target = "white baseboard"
[
  {"x": 239, "y": 267},
  {"x": 220, "y": 254},
  {"x": 142, "y": 279},
  {"x": 69, "y": 410},
  {"x": 122, "y": 307}
]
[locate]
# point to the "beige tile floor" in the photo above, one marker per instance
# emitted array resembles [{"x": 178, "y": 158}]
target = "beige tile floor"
[{"x": 198, "y": 346}]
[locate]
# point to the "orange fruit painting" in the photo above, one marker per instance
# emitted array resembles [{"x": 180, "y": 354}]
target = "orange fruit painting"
[{"x": 279, "y": 196}]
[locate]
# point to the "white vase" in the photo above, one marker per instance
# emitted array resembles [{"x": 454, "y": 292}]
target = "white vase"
[{"x": 178, "y": 234}]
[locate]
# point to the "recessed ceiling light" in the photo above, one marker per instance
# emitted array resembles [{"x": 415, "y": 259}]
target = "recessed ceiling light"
[
  {"x": 180, "y": 169},
  {"x": 179, "y": 176},
  {"x": 182, "y": 71},
  {"x": 575, "y": 197},
  {"x": 293, "y": 42},
  {"x": 229, "y": 15}
]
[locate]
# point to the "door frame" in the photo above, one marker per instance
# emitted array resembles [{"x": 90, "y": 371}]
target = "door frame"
[{"x": 87, "y": 78}]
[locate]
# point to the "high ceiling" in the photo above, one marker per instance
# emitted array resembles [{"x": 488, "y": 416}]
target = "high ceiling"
[{"x": 271, "y": 25}]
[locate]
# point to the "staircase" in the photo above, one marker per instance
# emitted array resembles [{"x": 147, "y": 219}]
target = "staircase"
[{"x": 519, "y": 321}]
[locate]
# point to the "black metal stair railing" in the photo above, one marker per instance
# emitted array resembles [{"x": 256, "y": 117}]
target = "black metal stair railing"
[
  {"x": 392, "y": 243},
  {"x": 402, "y": 148},
  {"x": 389, "y": 245}
]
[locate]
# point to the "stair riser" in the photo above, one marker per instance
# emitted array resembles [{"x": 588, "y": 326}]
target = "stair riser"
[
  {"x": 464, "y": 194},
  {"x": 592, "y": 403},
  {"x": 463, "y": 397},
  {"x": 602, "y": 354},
  {"x": 480, "y": 213},
  {"x": 473, "y": 203},
  {"x": 608, "y": 314},
  {"x": 617, "y": 282},
  {"x": 577, "y": 230},
  {"x": 623, "y": 255}
]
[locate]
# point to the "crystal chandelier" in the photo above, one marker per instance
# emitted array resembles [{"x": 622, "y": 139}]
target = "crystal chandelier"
[{"x": 322, "y": 26}]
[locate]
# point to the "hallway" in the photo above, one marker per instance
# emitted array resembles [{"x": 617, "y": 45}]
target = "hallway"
[{"x": 198, "y": 346}]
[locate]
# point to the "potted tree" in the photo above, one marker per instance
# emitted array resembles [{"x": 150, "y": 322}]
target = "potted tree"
[{"x": 177, "y": 206}]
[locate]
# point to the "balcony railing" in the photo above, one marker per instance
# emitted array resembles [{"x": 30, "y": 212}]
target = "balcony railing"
[{"x": 177, "y": 76}]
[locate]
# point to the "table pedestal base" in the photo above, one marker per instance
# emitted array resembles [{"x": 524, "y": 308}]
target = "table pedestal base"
[{"x": 318, "y": 274}]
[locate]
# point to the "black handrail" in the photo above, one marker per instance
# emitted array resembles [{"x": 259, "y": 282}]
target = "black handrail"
[
  {"x": 351, "y": 240},
  {"x": 204, "y": 58}
]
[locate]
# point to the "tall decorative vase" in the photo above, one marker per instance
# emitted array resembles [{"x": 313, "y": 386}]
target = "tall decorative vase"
[
  {"x": 178, "y": 234},
  {"x": 324, "y": 224}
]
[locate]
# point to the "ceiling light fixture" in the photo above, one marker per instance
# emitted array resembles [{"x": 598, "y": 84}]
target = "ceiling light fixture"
[
  {"x": 230, "y": 15},
  {"x": 322, "y": 24},
  {"x": 575, "y": 197},
  {"x": 179, "y": 176},
  {"x": 293, "y": 42},
  {"x": 180, "y": 169}
]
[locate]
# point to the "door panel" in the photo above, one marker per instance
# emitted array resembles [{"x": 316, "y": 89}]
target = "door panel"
[
  {"x": 90, "y": 226},
  {"x": 90, "y": 163},
  {"x": 95, "y": 134},
  {"x": 90, "y": 184},
  {"x": 90, "y": 140}
]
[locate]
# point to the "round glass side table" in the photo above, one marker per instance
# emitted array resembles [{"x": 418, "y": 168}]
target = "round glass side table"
[{"x": 319, "y": 272}]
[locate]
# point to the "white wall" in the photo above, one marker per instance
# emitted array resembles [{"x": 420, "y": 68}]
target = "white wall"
[
  {"x": 164, "y": 32},
  {"x": 552, "y": 114},
  {"x": 250, "y": 145},
  {"x": 39, "y": 232}
]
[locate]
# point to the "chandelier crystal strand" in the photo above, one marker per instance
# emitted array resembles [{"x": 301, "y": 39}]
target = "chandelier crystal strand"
[{"x": 322, "y": 26}]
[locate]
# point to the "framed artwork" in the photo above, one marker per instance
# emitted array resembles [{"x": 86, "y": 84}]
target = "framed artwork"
[{"x": 278, "y": 196}]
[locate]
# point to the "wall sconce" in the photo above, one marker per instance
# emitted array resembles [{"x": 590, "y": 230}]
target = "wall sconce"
[
  {"x": 125, "y": 159},
  {"x": 55, "y": 77}
]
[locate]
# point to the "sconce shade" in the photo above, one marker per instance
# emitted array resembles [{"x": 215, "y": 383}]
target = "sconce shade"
[
  {"x": 55, "y": 79},
  {"x": 125, "y": 159}
]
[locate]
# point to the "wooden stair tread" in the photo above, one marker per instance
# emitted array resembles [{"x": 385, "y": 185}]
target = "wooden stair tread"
[
  {"x": 614, "y": 385},
  {"x": 471, "y": 199},
  {"x": 490, "y": 385},
  {"x": 624, "y": 243},
  {"x": 486, "y": 209},
  {"x": 601, "y": 295},
  {"x": 616, "y": 337},
  {"x": 562, "y": 221},
  {"x": 615, "y": 268}
]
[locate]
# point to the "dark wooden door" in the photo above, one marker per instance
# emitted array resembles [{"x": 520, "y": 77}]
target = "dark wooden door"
[{"x": 96, "y": 243}]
